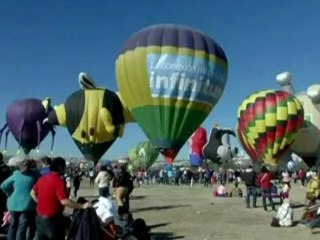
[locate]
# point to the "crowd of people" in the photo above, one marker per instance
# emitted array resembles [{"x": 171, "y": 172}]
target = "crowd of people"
[
  {"x": 33, "y": 201},
  {"x": 33, "y": 198}
]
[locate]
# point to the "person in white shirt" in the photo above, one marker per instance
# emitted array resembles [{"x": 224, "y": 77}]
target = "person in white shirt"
[
  {"x": 284, "y": 217},
  {"x": 103, "y": 180}
]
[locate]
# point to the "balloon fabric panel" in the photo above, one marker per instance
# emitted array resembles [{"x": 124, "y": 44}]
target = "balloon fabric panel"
[{"x": 246, "y": 146}]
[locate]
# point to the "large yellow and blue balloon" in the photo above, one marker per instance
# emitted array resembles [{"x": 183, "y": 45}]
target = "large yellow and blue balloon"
[
  {"x": 170, "y": 78},
  {"x": 268, "y": 123}
]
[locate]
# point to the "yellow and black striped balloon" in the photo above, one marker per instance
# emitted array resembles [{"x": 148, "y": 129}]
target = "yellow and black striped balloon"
[{"x": 94, "y": 119}]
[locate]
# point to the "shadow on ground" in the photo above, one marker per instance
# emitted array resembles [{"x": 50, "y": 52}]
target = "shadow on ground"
[
  {"x": 164, "y": 236},
  {"x": 298, "y": 205},
  {"x": 137, "y": 197},
  {"x": 158, "y": 208},
  {"x": 158, "y": 225}
]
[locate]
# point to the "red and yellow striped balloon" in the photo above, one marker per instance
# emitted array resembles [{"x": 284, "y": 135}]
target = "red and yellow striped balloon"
[
  {"x": 269, "y": 121},
  {"x": 246, "y": 146}
]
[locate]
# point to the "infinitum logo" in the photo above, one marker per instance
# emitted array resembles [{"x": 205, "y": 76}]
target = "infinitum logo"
[{"x": 185, "y": 77}]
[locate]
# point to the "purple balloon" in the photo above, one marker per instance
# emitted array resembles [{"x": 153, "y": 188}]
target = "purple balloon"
[{"x": 24, "y": 119}]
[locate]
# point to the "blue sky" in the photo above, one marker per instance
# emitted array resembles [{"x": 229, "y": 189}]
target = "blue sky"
[{"x": 45, "y": 44}]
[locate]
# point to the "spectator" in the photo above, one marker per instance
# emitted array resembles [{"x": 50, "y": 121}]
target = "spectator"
[
  {"x": 313, "y": 187},
  {"x": 50, "y": 192},
  {"x": 5, "y": 172},
  {"x": 249, "y": 177},
  {"x": 284, "y": 217},
  {"x": 103, "y": 180},
  {"x": 221, "y": 191},
  {"x": 302, "y": 176},
  {"x": 264, "y": 182},
  {"x": 124, "y": 187},
  {"x": 20, "y": 204},
  {"x": 236, "y": 191},
  {"x": 92, "y": 175},
  {"x": 46, "y": 162},
  {"x": 77, "y": 177}
]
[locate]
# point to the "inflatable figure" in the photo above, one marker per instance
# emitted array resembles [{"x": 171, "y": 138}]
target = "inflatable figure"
[
  {"x": 307, "y": 142},
  {"x": 196, "y": 142},
  {"x": 218, "y": 148},
  {"x": 24, "y": 120},
  {"x": 94, "y": 117}
]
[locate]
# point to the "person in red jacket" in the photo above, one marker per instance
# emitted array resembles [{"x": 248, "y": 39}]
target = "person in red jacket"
[{"x": 264, "y": 182}]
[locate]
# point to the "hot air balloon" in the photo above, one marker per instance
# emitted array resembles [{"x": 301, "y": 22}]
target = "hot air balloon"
[
  {"x": 24, "y": 120},
  {"x": 94, "y": 117},
  {"x": 170, "y": 77},
  {"x": 269, "y": 121},
  {"x": 143, "y": 155},
  {"x": 197, "y": 140}
]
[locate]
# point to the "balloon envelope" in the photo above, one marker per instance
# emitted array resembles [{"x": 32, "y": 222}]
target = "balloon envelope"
[
  {"x": 196, "y": 143},
  {"x": 24, "y": 117},
  {"x": 269, "y": 121},
  {"x": 144, "y": 156},
  {"x": 89, "y": 114},
  {"x": 170, "y": 77}
]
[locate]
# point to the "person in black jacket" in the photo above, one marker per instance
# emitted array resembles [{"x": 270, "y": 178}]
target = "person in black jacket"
[
  {"x": 124, "y": 187},
  {"x": 5, "y": 172},
  {"x": 249, "y": 177}
]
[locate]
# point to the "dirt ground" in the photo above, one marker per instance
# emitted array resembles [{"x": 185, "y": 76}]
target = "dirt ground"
[
  {"x": 184, "y": 212},
  {"x": 192, "y": 213}
]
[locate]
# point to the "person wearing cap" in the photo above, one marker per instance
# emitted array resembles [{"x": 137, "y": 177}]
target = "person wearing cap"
[
  {"x": 5, "y": 172},
  {"x": 20, "y": 204},
  {"x": 51, "y": 194}
]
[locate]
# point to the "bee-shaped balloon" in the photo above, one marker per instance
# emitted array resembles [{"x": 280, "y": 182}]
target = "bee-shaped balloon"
[{"x": 94, "y": 117}]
